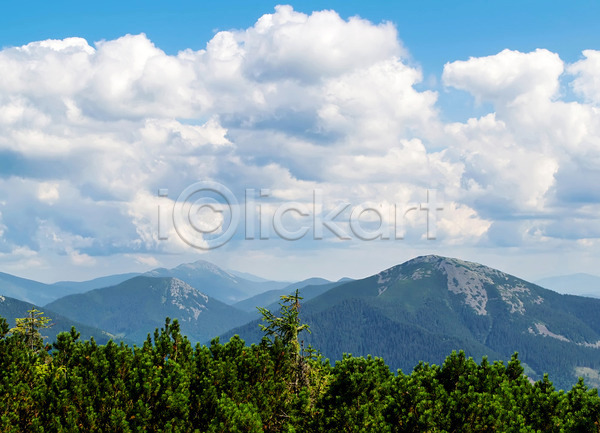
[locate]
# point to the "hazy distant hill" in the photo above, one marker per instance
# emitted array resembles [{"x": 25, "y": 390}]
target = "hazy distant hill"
[
  {"x": 228, "y": 287},
  {"x": 215, "y": 282},
  {"x": 251, "y": 277},
  {"x": 137, "y": 306},
  {"x": 29, "y": 290},
  {"x": 574, "y": 284},
  {"x": 428, "y": 306},
  {"x": 265, "y": 299},
  {"x": 96, "y": 283},
  {"x": 11, "y": 309}
]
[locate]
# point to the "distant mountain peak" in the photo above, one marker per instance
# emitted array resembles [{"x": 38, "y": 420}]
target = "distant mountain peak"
[
  {"x": 432, "y": 258},
  {"x": 204, "y": 266},
  {"x": 200, "y": 264},
  {"x": 216, "y": 282},
  {"x": 472, "y": 280}
]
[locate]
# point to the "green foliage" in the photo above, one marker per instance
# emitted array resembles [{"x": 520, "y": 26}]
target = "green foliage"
[
  {"x": 166, "y": 385},
  {"x": 287, "y": 326},
  {"x": 356, "y": 396},
  {"x": 29, "y": 328}
]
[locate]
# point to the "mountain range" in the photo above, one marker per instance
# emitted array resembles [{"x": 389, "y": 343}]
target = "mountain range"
[
  {"x": 137, "y": 306},
  {"x": 419, "y": 310},
  {"x": 134, "y": 308},
  {"x": 29, "y": 290},
  {"x": 228, "y": 287},
  {"x": 96, "y": 283},
  {"x": 216, "y": 282},
  {"x": 427, "y": 307},
  {"x": 311, "y": 287}
]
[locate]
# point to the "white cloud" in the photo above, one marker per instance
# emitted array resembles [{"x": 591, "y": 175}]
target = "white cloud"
[
  {"x": 55, "y": 68},
  {"x": 51, "y": 237},
  {"x": 297, "y": 102},
  {"x": 48, "y": 192},
  {"x": 289, "y": 44},
  {"x": 81, "y": 259},
  {"x": 499, "y": 171},
  {"x": 146, "y": 260},
  {"x": 508, "y": 77},
  {"x": 529, "y": 156},
  {"x": 587, "y": 80},
  {"x": 375, "y": 105},
  {"x": 2, "y": 227},
  {"x": 458, "y": 223}
]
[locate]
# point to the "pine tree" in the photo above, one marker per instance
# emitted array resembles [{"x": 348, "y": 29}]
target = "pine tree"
[
  {"x": 29, "y": 327},
  {"x": 287, "y": 326}
]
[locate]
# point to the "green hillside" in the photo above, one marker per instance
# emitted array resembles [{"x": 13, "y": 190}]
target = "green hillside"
[
  {"x": 430, "y": 305},
  {"x": 12, "y": 309},
  {"x": 131, "y": 308},
  {"x": 270, "y": 299}
]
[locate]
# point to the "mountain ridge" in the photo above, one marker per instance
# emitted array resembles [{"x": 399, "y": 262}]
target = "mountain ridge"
[
  {"x": 430, "y": 300},
  {"x": 215, "y": 281},
  {"x": 12, "y": 308},
  {"x": 31, "y": 291},
  {"x": 137, "y": 306}
]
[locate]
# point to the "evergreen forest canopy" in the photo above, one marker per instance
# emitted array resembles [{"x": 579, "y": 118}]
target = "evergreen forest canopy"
[{"x": 167, "y": 385}]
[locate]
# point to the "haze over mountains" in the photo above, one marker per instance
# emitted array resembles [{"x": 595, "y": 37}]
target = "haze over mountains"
[
  {"x": 230, "y": 286},
  {"x": 311, "y": 287},
  {"x": 29, "y": 290},
  {"x": 108, "y": 303},
  {"x": 574, "y": 284},
  {"x": 420, "y": 310},
  {"x": 217, "y": 283},
  {"x": 96, "y": 283},
  {"x": 214, "y": 281},
  {"x": 11, "y": 308}
]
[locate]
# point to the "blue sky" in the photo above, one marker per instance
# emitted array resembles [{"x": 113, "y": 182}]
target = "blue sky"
[
  {"x": 493, "y": 104},
  {"x": 435, "y": 32}
]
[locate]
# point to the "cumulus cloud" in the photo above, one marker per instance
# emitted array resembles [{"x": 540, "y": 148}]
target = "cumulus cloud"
[
  {"x": 529, "y": 157},
  {"x": 378, "y": 104},
  {"x": 499, "y": 173},
  {"x": 293, "y": 45},
  {"x": 89, "y": 132},
  {"x": 507, "y": 77},
  {"x": 458, "y": 223},
  {"x": 587, "y": 81}
]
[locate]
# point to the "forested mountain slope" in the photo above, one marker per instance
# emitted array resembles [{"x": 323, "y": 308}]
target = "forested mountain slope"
[{"x": 428, "y": 306}]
